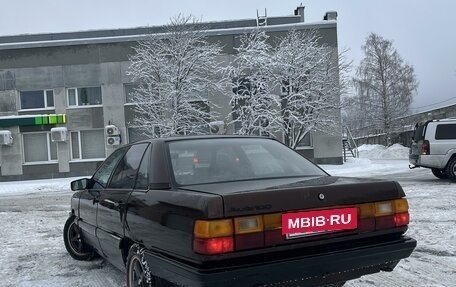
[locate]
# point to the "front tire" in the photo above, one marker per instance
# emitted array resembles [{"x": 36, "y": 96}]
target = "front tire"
[
  {"x": 451, "y": 169},
  {"x": 439, "y": 173},
  {"x": 74, "y": 242}
]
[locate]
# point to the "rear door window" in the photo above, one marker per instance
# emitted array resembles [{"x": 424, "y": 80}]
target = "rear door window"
[
  {"x": 103, "y": 173},
  {"x": 142, "y": 180},
  {"x": 125, "y": 174},
  {"x": 419, "y": 132},
  {"x": 445, "y": 132}
]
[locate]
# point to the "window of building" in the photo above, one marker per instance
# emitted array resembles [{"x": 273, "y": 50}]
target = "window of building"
[
  {"x": 39, "y": 99},
  {"x": 84, "y": 96},
  {"x": 89, "y": 144},
  {"x": 306, "y": 141},
  {"x": 38, "y": 147},
  {"x": 130, "y": 90},
  {"x": 445, "y": 132}
]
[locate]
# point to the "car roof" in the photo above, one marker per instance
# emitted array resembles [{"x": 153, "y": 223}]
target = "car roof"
[
  {"x": 179, "y": 138},
  {"x": 446, "y": 120}
]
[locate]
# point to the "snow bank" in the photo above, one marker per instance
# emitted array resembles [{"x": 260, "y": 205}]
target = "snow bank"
[
  {"x": 396, "y": 151},
  {"x": 373, "y": 160}
]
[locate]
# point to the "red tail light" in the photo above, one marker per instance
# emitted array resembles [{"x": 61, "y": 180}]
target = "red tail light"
[
  {"x": 213, "y": 245},
  {"x": 249, "y": 241},
  {"x": 385, "y": 222},
  {"x": 402, "y": 219},
  {"x": 426, "y": 148}
]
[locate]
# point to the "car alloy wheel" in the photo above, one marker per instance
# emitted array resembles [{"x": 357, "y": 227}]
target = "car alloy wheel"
[
  {"x": 138, "y": 277},
  {"x": 74, "y": 242},
  {"x": 138, "y": 272}
]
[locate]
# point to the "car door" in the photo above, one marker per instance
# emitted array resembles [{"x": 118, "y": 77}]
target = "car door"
[
  {"x": 88, "y": 202},
  {"x": 443, "y": 142},
  {"x": 112, "y": 206}
]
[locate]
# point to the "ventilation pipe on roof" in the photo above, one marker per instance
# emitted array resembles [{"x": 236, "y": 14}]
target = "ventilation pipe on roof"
[
  {"x": 300, "y": 11},
  {"x": 330, "y": 15}
]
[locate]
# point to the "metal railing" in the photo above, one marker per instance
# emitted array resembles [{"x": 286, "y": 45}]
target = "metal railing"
[{"x": 349, "y": 143}]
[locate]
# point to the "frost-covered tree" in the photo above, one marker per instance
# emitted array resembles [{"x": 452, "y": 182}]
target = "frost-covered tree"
[
  {"x": 384, "y": 84},
  {"x": 308, "y": 74},
  {"x": 252, "y": 102},
  {"x": 175, "y": 72}
]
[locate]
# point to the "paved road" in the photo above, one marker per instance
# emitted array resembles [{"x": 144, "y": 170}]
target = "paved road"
[{"x": 32, "y": 251}]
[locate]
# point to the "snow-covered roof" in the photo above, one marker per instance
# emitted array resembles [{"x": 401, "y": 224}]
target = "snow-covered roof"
[{"x": 135, "y": 34}]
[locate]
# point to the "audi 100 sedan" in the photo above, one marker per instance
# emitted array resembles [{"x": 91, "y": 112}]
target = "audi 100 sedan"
[{"x": 234, "y": 211}]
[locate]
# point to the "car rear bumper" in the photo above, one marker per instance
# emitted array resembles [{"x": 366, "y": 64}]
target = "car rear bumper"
[
  {"x": 428, "y": 161},
  {"x": 304, "y": 270}
]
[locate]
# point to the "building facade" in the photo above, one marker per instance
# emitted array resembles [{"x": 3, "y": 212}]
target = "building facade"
[{"x": 78, "y": 82}]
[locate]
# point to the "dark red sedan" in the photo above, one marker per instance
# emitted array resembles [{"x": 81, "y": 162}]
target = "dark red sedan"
[{"x": 234, "y": 211}]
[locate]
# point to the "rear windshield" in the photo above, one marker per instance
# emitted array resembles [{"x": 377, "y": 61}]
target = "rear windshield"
[
  {"x": 220, "y": 160},
  {"x": 418, "y": 134}
]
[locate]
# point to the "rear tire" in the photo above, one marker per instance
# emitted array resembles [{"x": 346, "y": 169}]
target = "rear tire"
[
  {"x": 338, "y": 284},
  {"x": 439, "y": 173},
  {"x": 451, "y": 169},
  {"x": 138, "y": 271},
  {"x": 74, "y": 242}
]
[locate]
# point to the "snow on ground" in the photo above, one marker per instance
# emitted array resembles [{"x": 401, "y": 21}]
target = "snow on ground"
[
  {"x": 32, "y": 215},
  {"x": 42, "y": 186},
  {"x": 376, "y": 151}
]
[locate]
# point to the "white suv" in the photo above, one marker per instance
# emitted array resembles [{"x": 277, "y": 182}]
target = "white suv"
[{"x": 434, "y": 147}]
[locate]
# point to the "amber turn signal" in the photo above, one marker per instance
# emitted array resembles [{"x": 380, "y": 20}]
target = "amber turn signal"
[{"x": 213, "y": 228}]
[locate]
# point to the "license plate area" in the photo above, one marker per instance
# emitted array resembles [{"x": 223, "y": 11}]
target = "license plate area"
[{"x": 318, "y": 222}]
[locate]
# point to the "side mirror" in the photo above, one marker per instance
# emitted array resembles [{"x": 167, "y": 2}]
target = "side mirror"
[{"x": 80, "y": 184}]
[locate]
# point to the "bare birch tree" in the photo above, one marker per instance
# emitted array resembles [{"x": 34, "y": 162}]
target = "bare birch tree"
[
  {"x": 308, "y": 74},
  {"x": 385, "y": 85},
  {"x": 175, "y": 72},
  {"x": 252, "y": 102}
]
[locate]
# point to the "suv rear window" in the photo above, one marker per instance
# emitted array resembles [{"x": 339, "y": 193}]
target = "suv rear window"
[
  {"x": 418, "y": 134},
  {"x": 445, "y": 132}
]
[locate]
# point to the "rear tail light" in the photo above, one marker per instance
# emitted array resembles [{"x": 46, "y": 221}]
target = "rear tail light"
[
  {"x": 210, "y": 246},
  {"x": 402, "y": 219},
  {"x": 383, "y": 208},
  {"x": 248, "y": 224},
  {"x": 401, "y": 205},
  {"x": 426, "y": 148},
  {"x": 213, "y": 228},
  {"x": 248, "y": 232}
]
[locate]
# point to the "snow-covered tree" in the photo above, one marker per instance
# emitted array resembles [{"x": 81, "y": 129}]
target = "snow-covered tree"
[
  {"x": 175, "y": 72},
  {"x": 252, "y": 102},
  {"x": 308, "y": 74},
  {"x": 384, "y": 84}
]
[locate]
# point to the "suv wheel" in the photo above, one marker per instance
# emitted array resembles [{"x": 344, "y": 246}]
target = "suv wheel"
[
  {"x": 440, "y": 173},
  {"x": 451, "y": 169}
]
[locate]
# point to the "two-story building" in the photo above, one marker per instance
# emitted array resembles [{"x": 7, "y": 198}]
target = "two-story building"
[{"x": 78, "y": 81}]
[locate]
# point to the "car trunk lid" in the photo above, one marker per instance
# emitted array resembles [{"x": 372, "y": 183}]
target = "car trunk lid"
[{"x": 291, "y": 194}]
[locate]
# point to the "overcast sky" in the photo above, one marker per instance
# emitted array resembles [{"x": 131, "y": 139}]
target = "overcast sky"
[{"x": 422, "y": 31}]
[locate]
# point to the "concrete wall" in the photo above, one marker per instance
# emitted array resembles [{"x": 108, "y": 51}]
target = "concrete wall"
[{"x": 404, "y": 127}]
